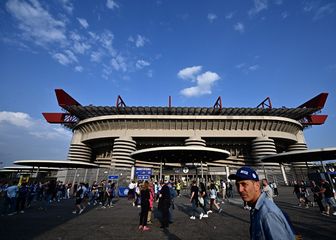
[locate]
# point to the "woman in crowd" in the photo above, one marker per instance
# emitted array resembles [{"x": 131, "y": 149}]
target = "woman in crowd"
[{"x": 145, "y": 196}]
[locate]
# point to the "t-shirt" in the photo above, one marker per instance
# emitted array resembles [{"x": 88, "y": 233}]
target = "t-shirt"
[
  {"x": 194, "y": 189},
  {"x": 328, "y": 191},
  {"x": 269, "y": 192},
  {"x": 223, "y": 185},
  {"x": 12, "y": 190},
  {"x": 213, "y": 193}
]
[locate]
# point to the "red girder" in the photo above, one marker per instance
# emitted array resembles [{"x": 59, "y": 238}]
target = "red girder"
[
  {"x": 120, "y": 102},
  {"x": 65, "y": 99},
  {"x": 314, "y": 120},
  {"x": 218, "y": 103},
  {"x": 265, "y": 104},
  {"x": 316, "y": 102},
  {"x": 60, "y": 118}
]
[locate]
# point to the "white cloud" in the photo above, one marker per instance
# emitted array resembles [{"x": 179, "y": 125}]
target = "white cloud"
[
  {"x": 35, "y": 127},
  {"x": 229, "y": 15},
  {"x": 241, "y": 65},
  {"x": 18, "y": 119},
  {"x": 23, "y": 137},
  {"x": 80, "y": 44},
  {"x": 107, "y": 71},
  {"x": 50, "y": 132},
  {"x": 36, "y": 23},
  {"x": 96, "y": 56},
  {"x": 139, "y": 41},
  {"x": 83, "y": 22},
  {"x": 246, "y": 68},
  {"x": 106, "y": 40},
  {"x": 111, "y": 4},
  {"x": 81, "y": 47},
  {"x": 324, "y": 11},
  {"x": 65, "y": 58},
  {"x": 141, "y": 64},
  {"x": 259, "y": 5},
  {"x": 309, "y": 6},
  {"x": 239, "y": 27},
  {"x": 253, "y": 67},
  {"x": 150, "y": 73},
  {"x": 284, "y": 15},
  {"x": 204, "y": 81},
  {"x": 189, "y": 72},
  {"x": 119, "y": 63},
  {"x": 212, "y": 17},
  {"x": 67, "y": 5},
  {"x": 79, "y": 69}
]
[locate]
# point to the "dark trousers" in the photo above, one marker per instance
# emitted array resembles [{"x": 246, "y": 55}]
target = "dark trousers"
[
  {"x": 165, "y": 217},
  {"x": 144, "y": 214},
  {"x": 319, "y": 203},
  {"x": 20, "y": 204}
]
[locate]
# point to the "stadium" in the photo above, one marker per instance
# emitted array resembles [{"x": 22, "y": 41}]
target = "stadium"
[{"x": 184, "y": 142}]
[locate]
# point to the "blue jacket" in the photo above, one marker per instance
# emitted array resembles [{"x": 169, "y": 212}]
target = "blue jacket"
[{"x": 268, "y": 221}]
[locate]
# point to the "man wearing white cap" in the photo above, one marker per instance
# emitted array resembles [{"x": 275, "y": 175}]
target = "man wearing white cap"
[{"x": 267, "y": 220}]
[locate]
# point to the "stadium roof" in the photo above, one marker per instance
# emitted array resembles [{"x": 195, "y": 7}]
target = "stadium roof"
[
  {"x": 305, "y": 113},
  {"x": 56, "y": 164},
  {"x": 84, "y": 112},
  {"x": 320, "y": 154},
  {"x": 180, "y": 154}
]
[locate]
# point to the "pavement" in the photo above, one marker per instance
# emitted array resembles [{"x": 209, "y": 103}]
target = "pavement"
[{"x": 121, "y": 221}]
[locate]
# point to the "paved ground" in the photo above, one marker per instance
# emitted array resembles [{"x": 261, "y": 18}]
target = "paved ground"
[{"x": 121, "y": 222}]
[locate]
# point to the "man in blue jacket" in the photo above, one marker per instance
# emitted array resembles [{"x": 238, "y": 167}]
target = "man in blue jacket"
[{"x": 267, "y": 220}]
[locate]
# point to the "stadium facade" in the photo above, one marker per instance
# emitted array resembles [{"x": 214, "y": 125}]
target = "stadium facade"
[{"x": 110, "y": 135}]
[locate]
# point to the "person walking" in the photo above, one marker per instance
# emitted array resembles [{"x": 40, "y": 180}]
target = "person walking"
[
  {"x": 173, "y": 195},
  {"x": 151, "y": 202},
  {"x": 267, "y": 189},
  {"x": 144, "y": 196},
  {"x": 21, "y": 198},
  {"x": 12, "y": 191},
  {"x": 203, "y": 195},
  {"x": 79, "y": 199},
  {"x": 178, "y": 188},
  {"x": 317, "y": 195},
  {"x": 267, "y": 220},
  {"x": 164, "y": 205},
  {"x": 223, "y": 188},
  {"x": 275, "y": 189},
  {"x": 326, "y": 189},
  {"x": 213, "y": 197},
  {"x": 194, "y": 199},
  {"x": 304, "y": 195},
  {"x": 296, "y": 191}
]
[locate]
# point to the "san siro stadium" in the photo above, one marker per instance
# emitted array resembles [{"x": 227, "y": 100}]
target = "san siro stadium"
[{"x": 130, "y": 142}]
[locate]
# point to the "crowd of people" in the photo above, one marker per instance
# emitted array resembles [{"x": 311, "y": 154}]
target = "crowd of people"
[
  {"x": 19, "y": 196},
  {"x": 322, "y": 195},
  {"x": 149, "y": 195}
]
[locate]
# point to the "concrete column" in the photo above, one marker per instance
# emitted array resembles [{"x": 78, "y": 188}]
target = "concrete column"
[
  {"x": 160, "y": 171},
  {"x": 132, "y": 172},
  {"x": 227, "y": 172},
  {"x": 282, "y": 167},
  {"x": 74, "y": 180},
  {"x": 85, "y": 175},
  {"x": 97, "y": 175}
]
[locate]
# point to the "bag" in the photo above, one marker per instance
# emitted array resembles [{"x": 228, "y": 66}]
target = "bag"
[{"x": 201, "y": 201}]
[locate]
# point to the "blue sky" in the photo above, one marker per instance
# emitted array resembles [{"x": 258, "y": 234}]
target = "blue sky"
[{"x": 145, "y": 51}]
